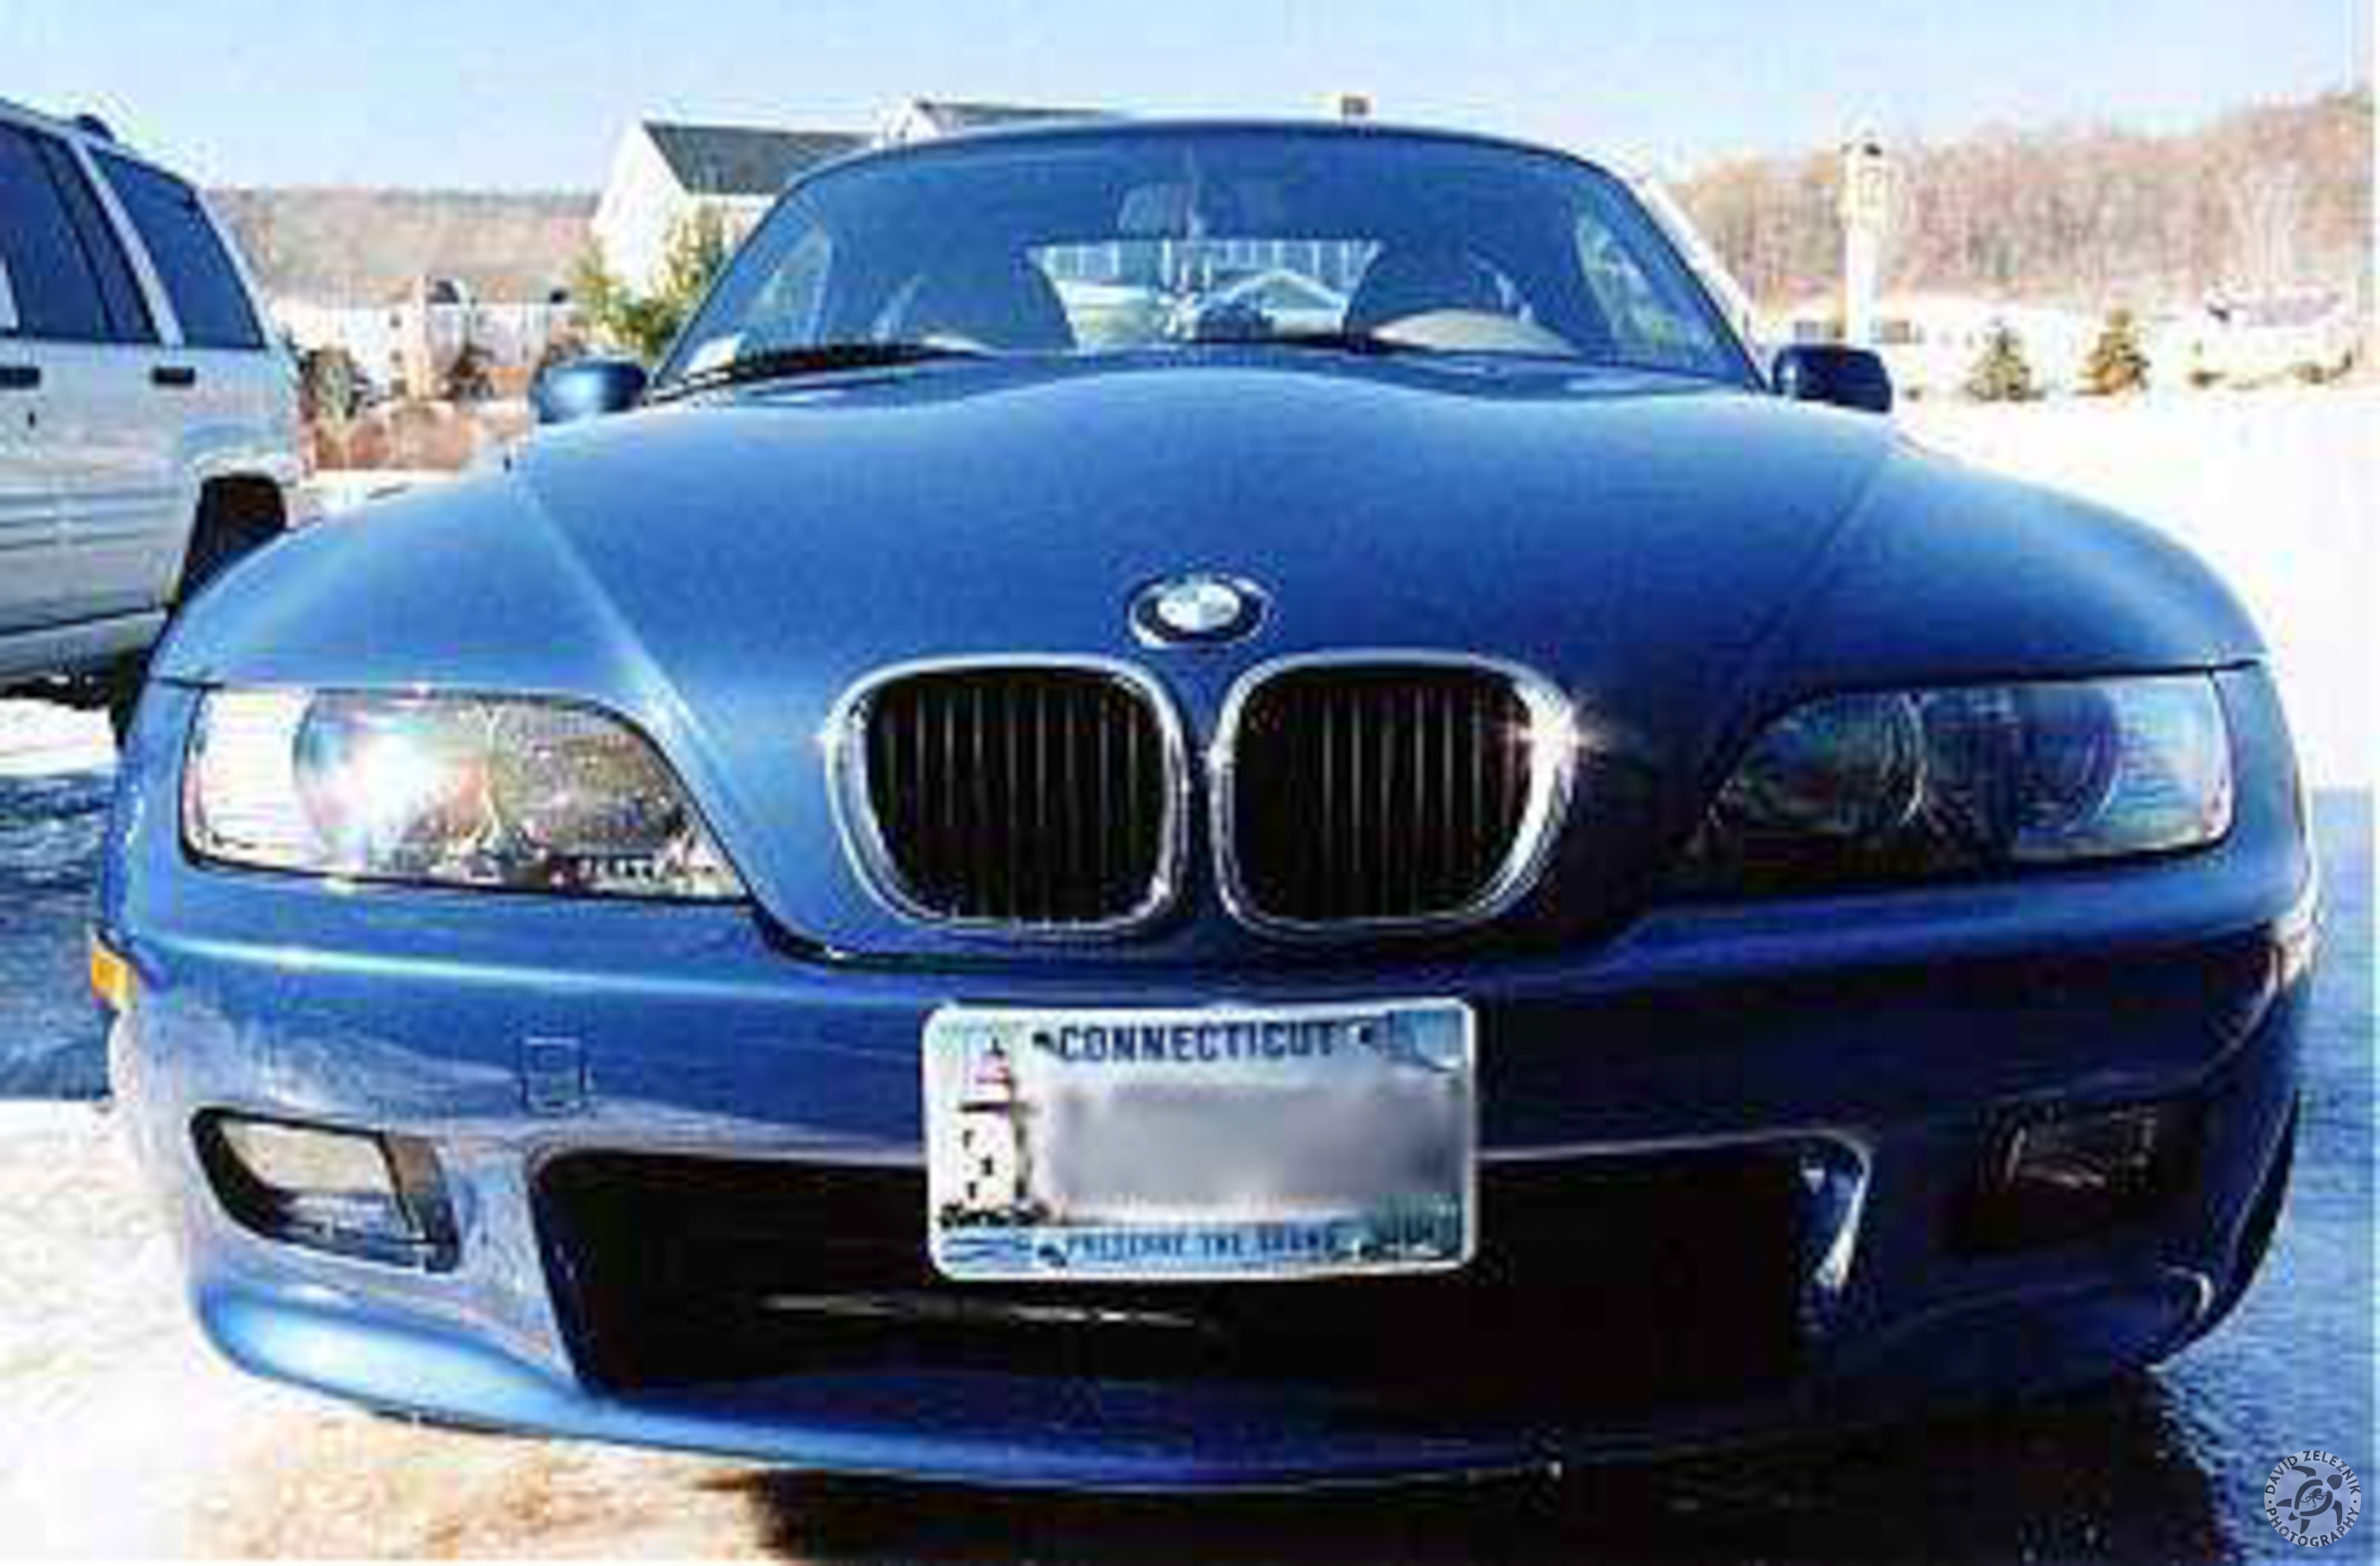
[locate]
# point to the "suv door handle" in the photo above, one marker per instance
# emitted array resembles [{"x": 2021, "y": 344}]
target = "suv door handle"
[
  {"x": 173, "y": 376},
  {"x": 20, "y": 377}
]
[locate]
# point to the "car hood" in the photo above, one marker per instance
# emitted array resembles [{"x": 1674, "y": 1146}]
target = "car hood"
[
  {"x": 1591, "y": 528},
  {"x": 724, "y": 570}
]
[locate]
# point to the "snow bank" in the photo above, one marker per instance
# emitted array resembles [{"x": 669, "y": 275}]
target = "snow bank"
[{"x": 39, "y": 740}]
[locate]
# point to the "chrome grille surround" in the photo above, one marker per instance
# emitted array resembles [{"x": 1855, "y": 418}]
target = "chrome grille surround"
[
  {"x": 846, "y": 745},
  {"x": 1553, "y": 746}
]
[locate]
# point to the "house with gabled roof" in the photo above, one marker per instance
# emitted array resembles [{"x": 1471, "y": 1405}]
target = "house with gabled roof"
[{"x": 662, "y": 172}]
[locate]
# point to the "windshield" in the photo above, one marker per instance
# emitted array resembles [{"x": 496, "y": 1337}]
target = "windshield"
[{"x": 1138, "y": 240}]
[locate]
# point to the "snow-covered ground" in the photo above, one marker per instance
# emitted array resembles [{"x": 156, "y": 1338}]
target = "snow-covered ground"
[{"x": 38, "y": 740}]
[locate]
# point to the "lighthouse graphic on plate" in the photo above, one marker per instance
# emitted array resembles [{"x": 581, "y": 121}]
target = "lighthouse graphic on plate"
[{"x": 995, "y": 1149}]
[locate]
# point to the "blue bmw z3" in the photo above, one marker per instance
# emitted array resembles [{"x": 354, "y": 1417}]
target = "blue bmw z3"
[{"x": 1210, "y": 804}]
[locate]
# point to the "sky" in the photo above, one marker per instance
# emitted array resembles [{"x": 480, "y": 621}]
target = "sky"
[{"x": 504, "y": 94}]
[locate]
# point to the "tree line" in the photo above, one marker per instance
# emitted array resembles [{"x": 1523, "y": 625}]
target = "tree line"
[{"x": 2265, "y": 199}]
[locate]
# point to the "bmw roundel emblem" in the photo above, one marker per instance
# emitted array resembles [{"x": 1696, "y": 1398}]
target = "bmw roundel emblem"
[{"x": 1201, "y": 607}]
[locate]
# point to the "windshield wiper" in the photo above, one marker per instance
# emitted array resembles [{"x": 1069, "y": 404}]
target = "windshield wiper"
[
  {"x": 1370, "y": 344},
  {"x": 1375, "y": 345},
  {"x": 817, "y": 358}
]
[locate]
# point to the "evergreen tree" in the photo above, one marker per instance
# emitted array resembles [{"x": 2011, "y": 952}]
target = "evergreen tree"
[
  {"x": 644, "y": 324},
  {"x": 2001, "y": 374},
  {"x": 2118, "y": 363}
]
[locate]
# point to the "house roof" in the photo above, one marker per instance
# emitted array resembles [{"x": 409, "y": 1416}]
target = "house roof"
[{"x": 740, "y": 160}]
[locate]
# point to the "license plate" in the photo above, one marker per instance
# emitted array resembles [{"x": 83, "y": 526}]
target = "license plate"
[{"x": 1208, "y": 1144}]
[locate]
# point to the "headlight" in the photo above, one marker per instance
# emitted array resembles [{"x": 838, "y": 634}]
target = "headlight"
[
  {"x": 445, "y": 789},
  {"x": 1900, "y": 785}
]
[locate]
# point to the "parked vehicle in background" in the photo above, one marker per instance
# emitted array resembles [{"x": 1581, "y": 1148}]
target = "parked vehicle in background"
[{"x": 148, "y": 420}]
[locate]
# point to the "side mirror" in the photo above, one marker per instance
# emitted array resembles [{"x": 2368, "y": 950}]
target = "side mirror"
[
  {"x": 1829, "y": 372},
  {"x": 585, "y": 388}
]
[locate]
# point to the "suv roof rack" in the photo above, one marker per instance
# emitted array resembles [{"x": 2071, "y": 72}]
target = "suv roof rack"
[{"x": 93, "y": 126}]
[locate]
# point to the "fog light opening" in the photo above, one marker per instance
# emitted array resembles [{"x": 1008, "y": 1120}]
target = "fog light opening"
[
  {"x": 2065, "y": 1176},
  {"x": 355, "y": 1193}
]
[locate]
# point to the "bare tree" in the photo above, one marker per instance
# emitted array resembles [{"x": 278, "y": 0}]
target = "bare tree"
[
  {"x": 2265, "y": 202},
  {"x": 2264, "y": 198}
]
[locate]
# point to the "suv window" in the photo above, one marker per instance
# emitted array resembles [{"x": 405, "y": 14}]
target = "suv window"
[
  {"x": 47, "y": 272},
  {"x": 190, "y": 260},
  {"x": 119, "y": 291}
]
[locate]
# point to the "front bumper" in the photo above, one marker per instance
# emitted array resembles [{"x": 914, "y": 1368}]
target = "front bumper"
[{"x": 1871, "y": 1049}]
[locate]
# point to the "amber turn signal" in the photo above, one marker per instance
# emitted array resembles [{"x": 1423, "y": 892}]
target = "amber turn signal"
[{"x": 110, "y": 975}]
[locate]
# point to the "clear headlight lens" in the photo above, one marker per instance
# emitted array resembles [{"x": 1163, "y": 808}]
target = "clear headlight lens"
[
  {"x": 445, "y": 789},
  {"x": 1895, "y": 785}
]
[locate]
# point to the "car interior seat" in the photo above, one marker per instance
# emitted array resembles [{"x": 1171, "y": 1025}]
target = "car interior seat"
[
  {"x": 998, "y": 301},
  {"x": 1407, "y": 280}
]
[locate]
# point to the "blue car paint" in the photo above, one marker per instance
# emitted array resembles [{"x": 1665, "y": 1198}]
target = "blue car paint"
[
  {"x": 1899, "y": 1022},
  {"x": 1684, "y": 559}
]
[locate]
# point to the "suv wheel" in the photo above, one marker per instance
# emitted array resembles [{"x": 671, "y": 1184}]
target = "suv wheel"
[
  {"x": 236, "y": 516},
  {"x": 124, "y": 683}
]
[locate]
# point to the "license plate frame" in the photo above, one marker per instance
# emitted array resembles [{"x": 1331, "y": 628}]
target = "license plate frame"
[{"x": 1068, "y": 1144}]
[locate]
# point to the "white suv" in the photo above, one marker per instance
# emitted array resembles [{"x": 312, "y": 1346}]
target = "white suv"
[{"x": 148, "y": 419}]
